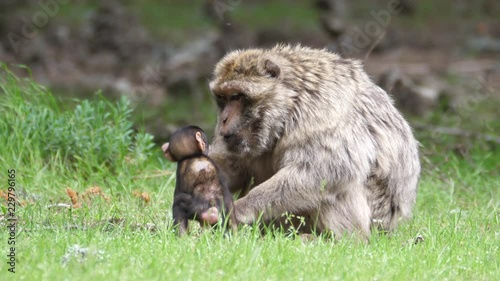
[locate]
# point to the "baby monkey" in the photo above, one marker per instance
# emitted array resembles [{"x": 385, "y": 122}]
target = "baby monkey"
[{"x": 201, "y": 192}]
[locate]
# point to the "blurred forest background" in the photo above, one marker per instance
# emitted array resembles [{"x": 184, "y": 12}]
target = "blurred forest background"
[{"x": 438, "y": 59}]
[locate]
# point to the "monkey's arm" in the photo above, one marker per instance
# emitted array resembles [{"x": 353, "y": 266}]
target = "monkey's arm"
[{"x": 283, "y": 192}]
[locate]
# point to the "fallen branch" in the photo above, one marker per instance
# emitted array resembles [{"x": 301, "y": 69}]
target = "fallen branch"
[
  {"x": 374, "y": 45},
  {"x": 159, "y": 174},
  {"x": 59, "y": 205},
  {"x": 457, "y": 132}
]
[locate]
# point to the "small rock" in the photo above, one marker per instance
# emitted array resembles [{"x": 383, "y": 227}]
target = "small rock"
[{"x": 419, "y": 239}]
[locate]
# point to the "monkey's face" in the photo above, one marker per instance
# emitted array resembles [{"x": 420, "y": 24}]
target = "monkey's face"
[
  {"x": 253, "y": 103},
  {"x": 235, "y": 120}
]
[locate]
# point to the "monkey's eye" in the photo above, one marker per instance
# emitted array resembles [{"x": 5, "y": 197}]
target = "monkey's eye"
[
  {"x": 236, "y": 97},
  {"x": 220, "y": 101}
]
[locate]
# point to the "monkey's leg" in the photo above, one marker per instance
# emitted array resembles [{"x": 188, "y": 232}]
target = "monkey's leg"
[
  {"x": 391, "y": 200},
  {"x": 345, "y": 212},
  {"x": 180, "y": 220},
  {"x": 229, "y": 218}
]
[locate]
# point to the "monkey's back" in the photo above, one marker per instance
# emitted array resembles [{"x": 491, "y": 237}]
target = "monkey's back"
[{"x": 199, "y": 176}]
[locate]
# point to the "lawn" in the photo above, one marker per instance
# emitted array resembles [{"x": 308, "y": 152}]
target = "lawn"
[{"x": 93, "y": 198}]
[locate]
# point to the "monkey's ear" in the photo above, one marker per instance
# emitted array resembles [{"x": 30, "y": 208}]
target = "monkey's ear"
[
  {"x": 201, "y": 143},
  {"x": 271, "y": 68},
  {"x": 167, "y": 153}
]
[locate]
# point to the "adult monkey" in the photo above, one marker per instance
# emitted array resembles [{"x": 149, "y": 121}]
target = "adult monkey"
[{"x": 316, "y": 137}]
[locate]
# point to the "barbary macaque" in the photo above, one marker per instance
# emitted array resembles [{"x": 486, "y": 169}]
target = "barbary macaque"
[
  {"x": 306, "y": 132},
  {"x": 201, "y": 193}
]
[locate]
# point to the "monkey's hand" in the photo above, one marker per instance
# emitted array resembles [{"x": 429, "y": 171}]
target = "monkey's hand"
[
  {"x": 244, "y": 214},
  {"x": 282, "y": 193}
]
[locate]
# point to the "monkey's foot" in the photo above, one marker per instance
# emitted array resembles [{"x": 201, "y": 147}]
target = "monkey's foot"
[{"x": 210, "y": 216}]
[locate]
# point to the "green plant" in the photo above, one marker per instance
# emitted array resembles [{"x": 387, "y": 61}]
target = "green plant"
[{"x": 96, "y": 132}]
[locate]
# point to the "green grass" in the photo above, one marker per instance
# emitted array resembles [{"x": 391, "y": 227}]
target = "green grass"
[{"x": 457, "y": 212}]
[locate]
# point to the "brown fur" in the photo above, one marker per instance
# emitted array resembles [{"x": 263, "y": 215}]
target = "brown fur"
[
  {"x": 316, "y": 136},
  {"x": 201, "y": 193}
]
